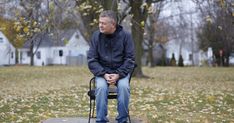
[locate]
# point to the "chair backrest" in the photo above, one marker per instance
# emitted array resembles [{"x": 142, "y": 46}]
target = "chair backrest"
[{"x": 135, "y": 65}]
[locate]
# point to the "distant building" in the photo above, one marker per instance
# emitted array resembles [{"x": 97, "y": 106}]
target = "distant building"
[
  {"x": 7, "y": 51},
  {"x": 71, "y": 50}
]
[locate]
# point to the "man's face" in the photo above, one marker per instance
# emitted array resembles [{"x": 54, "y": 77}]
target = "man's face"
[{"x": 106, "y": 25}]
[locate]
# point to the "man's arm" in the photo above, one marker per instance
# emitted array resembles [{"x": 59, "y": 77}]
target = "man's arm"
[
  {"x": 93, "y": 62},
  {"x": 129, "y": 57}
]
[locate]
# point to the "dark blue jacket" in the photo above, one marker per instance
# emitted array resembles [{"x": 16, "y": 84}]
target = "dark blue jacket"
[{"x": 111, "y": 53}]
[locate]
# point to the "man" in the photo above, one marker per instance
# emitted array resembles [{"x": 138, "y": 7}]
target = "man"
[{"x": 111, "y": 59}]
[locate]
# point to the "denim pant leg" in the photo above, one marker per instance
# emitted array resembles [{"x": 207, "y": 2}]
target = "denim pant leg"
[
  {"x": 101, "y": 100},
  {"x": 123, "y": 90}
]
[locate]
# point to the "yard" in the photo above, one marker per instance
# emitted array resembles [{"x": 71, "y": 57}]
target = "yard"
[{"x": 171, "y": 94}]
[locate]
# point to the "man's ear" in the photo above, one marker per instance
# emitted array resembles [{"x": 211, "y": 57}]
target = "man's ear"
[{"x": 113, "y": 22}]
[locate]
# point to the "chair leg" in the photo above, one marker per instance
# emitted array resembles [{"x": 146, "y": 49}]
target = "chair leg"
[
  {"x": 90, "y": 109},
  {"x": 93, "y": 109},
  {"x": 129, "y": 117}
]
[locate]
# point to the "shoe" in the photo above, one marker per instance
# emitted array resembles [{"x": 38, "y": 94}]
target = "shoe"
[{"x": 123, "y": 122}]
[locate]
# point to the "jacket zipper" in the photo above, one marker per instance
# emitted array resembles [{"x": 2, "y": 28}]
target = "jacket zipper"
[{"x": 111, "y": 52}]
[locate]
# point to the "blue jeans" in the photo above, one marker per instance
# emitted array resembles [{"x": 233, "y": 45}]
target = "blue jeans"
[{"x": 123, "y": 90}]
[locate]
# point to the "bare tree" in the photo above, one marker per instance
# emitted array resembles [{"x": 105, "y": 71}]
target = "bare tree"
[
  {"x": 31, "y": 25},
  {"x": 156, "y": 30},
  {"x": 218, "y": 19}
]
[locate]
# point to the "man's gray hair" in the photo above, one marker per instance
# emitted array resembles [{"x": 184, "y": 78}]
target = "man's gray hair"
[{"x": 109, "y": 13}]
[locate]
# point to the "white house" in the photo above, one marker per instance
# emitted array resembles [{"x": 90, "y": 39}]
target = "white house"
[
  {"x": 41, "y": 50},
  {"x": 77, "y": 49},
  {"x": 7, "y": 51},
  {"x": 72, "y": 53}
]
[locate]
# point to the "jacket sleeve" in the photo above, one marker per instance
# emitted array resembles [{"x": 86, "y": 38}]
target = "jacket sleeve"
[
  {"x": 92, "y": 57},
  {"x": 129, "y": 57}
]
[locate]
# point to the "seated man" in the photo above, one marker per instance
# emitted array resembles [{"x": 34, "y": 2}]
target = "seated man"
[{"x": 111, "y": 59}]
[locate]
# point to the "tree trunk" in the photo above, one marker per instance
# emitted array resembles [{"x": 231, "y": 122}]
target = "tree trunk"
[
  {"x": 181, "y": 46},
  {"x": 110, "y": 5},
  {"x": 31, "y": 53},
  {"x": 151, "y": 40},
  {"x": 138, "y": 49},
  {"x": 192, "y": 39},
  {"x": 139, "y": 16},
  {"x": 150, "y": 56}
]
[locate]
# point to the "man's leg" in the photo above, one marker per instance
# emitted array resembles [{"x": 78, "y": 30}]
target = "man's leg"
[
  {"x": 101, "y": 100},
  {"x": 123, "y": 90}
]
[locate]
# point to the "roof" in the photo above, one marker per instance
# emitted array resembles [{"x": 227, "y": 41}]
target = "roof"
[
  {"x": 49, "y": 40},
  {"x": 4, "y": 40},
  {"x": 76, "y": 40},
  {"x": 41, "y": 39}
]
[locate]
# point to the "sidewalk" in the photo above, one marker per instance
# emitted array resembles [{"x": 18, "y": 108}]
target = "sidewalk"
[{"x": 81, "y": 120}]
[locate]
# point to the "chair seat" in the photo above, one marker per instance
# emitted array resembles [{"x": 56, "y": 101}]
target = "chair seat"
[
  {"x": 112, "y": 93},
  {"x": 112, "y": 89}
]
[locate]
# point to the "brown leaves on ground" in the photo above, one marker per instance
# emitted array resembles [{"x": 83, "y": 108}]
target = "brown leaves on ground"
[{"x": 171, "y": 94}]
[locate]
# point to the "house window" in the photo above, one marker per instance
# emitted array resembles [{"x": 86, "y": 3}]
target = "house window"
[
  {"x": 28, "y": 53},
  {"x": 77, "y": 36},
  {"x": 1, "y": 40},
  {"x": 12, "y": 55},
  {"x": 60, "y": 53},
  {"x": 190, "y": 57},
  {"x": 38, "y": 55}
]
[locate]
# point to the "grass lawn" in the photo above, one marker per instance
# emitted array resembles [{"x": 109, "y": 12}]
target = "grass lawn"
[{"x": 170, "y": 95}]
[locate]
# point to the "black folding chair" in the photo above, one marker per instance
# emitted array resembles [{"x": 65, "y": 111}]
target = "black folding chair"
[{"x": 112, "y": 95}]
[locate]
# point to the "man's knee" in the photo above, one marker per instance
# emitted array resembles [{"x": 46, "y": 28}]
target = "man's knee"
[
  {"x": 124, "y": 82},
  {"x": 101, "y": 83},
  {"x": 123, "y": 85}
]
